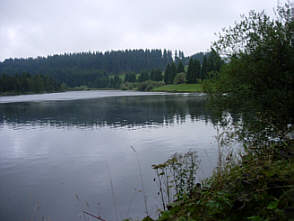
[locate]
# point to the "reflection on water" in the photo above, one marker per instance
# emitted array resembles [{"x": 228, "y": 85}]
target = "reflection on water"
[
  {"x": 115, "y": 111},
  {"x": 53, "y": 150}
]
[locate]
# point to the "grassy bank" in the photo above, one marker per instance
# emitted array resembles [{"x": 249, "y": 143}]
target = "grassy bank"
[
  {"x": 259, "y": 188},
  {"x": 137, "y": 86},
  {"x": 189, "y": 88}
]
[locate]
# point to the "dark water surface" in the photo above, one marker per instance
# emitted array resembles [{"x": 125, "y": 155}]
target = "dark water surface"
[{"x": 60, "y": 152}]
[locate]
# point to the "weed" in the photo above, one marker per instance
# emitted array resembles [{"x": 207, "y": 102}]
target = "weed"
[
  {"x": 176, "y": 178},
  {"x": 142, "y": 182},
  {"x": 260, "y": 187}
]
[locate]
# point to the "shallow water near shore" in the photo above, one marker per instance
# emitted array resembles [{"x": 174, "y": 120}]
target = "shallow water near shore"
[{"x": 61, "y": 152}]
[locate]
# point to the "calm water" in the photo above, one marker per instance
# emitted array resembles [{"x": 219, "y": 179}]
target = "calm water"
[{"x": 60, "y": 152}]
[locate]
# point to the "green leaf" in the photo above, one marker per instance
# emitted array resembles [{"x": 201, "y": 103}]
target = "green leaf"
[
  {"x": 273, "y": 205},
  {"x": 255, "y": 218}
]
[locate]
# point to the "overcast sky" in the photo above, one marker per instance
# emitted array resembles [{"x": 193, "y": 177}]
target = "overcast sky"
[{"x": 30, "y": 28}]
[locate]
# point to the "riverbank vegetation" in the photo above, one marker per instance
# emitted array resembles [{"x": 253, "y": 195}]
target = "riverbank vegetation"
[
  {"x": 253, "y": 188},
  {"x": 186, "y": 88},
  {"x": 252, "y": 96},
  {"x": 249, "y": 78}
]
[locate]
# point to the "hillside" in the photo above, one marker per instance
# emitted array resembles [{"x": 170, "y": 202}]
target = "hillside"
[{"x": 81, "y": 68}]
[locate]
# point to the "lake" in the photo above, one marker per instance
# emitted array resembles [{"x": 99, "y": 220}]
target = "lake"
[{"x": 65, "y": 152}]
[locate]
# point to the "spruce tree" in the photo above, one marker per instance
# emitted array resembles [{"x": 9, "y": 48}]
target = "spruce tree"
[
  {"x": 173, "y": 72},
  {"x": 189, "y": 77},
  {"x": 167, "y": 74},
  {"x": 156, "y": 75},
  {"x": 194, "y": 70},
  {"x": 197, "y": 70},
  {"x": 180, "y": 67},
  {"x": 204, "y": 68}
]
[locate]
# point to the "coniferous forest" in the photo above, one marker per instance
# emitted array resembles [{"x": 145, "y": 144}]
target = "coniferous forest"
[
  {"x": 90, "y": 68},
  {"x": 26, "y": 83},
  {"x": 115, "y": 69}
]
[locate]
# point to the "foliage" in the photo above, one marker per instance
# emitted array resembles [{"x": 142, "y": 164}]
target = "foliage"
[
  {"x": 148, "y": 85},
  {"x": 198, "y": 56},
  {"x": 26, "y": 83},
  {"x": 156, "y": 75},
  {"x": 260, "y": 188},
  {"x": 144, "y": 76},
  {"x": 130, "y": 77},
  {"x": 170, "y": 73},
  {"x": 115, "y": 82},
  {"x": 180, "y": 67},
  {"x": 179, "y": 88},
  {"x": 129, "y": 86},
  {"x": 180, "y": 78},
  {"x": 193, "y": 72},
  {"x": 176, "y": 177},
  {"x": 81, "y": 88},
  {"x": 179, "y": 55},
  {"x": 259, "y": 75},
  {"x": 204, "y": 67},
  {"x": 211, "y": 62},
  {"x": 91, "y": 68}
]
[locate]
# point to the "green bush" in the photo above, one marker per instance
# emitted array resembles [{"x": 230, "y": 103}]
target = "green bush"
[
  {"x": 148, "y": 85},
  {"x": 259, "y": 188},
  {"x": 180, "y": 78}
]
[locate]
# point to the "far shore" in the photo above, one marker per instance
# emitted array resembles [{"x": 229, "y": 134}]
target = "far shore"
[{"x": 171, "y": 88}]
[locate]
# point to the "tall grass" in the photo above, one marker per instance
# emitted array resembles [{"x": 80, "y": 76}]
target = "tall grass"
[
  {"x": 141, "y": 180},
  {"x": 176, "y": 178}
]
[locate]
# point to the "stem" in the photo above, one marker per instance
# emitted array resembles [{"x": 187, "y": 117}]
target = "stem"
[
  {"x": 112, "y": 192},
  {"x": 96, "y": 217},
  {"x": 142, "y": 182}
]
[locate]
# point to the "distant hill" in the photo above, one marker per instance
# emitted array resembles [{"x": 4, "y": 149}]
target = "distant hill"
[
  {"x": 198, "y": 56},
  {"x": 94, "y": 69},
  {"x": 79, "y": 68}
]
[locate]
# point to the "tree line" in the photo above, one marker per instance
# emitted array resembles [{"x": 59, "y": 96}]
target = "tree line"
[
  {"x": 28, "y": 83},
  {"x": 95, "y": 63},
  {"x": 201, "y": 66},
  {"x": 75, "y": 70}
]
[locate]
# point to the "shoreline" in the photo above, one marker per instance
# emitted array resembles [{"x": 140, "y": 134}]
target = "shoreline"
[{"x": 165, "y": 89}]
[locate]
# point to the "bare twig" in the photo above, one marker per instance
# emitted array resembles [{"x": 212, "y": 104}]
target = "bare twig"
[{"x": 94, "y": 216}]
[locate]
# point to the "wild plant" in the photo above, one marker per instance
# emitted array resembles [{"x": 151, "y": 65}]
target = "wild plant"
[
  {"x": 142, "y": 182},
  {"x": 176, "y": 178}
]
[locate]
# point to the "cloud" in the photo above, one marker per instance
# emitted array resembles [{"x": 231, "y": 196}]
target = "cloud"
[{"x": 33, "y": 27}]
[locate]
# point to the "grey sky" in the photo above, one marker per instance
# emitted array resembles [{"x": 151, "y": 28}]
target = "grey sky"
[{"x": 30, "y": 28}]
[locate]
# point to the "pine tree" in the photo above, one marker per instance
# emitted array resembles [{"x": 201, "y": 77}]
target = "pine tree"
[
  {"x": 156, "y": 75},
  {"x": 173, "y": 72},
  {"x": 204, "y": 68},
  {"x": 176, "y": 54},
  {"x": 191, "y": 74},
  {"x": 144, "y": 76},
  {"x": 214, "y": 62},
  {"x": 180, "y": 67},
  {"x": 127, "y": 78},
  {"x": 167, "y": 74},
  {"x": 196, "y": 70}
]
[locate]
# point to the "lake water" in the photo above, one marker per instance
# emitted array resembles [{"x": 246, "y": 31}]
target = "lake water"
[{"x": 61, "y": 153}]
